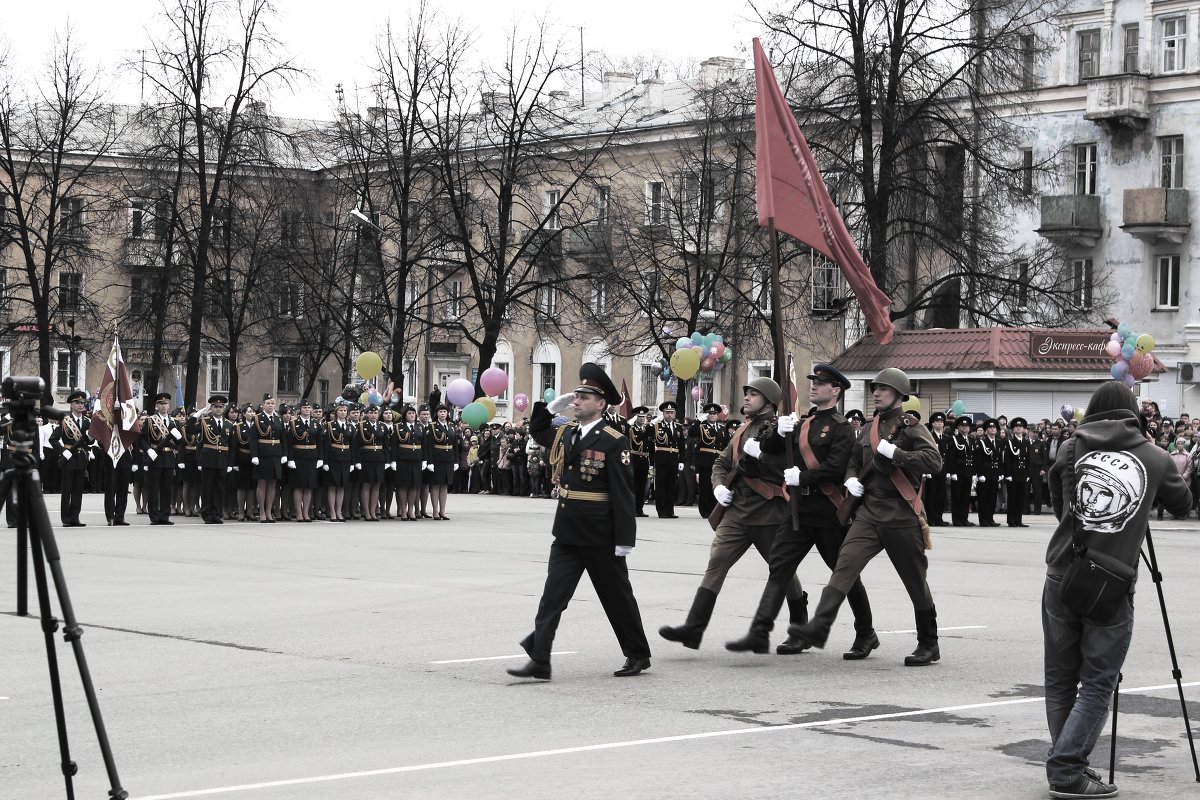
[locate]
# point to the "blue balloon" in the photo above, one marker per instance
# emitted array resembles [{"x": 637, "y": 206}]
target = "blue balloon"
[
  {"x": 1127, "y": 352},
  {"x": 697, "y": 339},
  {"x": 684, "y": 343},
  {"x": 1119, "y": 370},
  {"x": 1123, "y": 329}
]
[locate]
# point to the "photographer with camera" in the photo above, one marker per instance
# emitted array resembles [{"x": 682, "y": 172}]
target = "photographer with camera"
[{"x": 72, "y": 443}]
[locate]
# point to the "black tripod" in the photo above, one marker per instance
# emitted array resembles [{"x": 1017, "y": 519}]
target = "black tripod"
[
  {"x": 1176, "y": 673},
  {"x": 21, "y": 488}
]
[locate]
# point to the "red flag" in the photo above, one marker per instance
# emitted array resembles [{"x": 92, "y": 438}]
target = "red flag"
[
  {"x": 116, "y": 411},
  {"x": 786, "y": 172},
  {"x": 626, "y": 403}
]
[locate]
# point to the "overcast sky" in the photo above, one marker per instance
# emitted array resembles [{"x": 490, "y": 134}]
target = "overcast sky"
[{"x": 333, "y": 40}]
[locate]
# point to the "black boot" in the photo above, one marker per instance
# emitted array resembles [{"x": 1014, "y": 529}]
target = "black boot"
[
  {"x": 691, "y": 632},
  {"x": 814, "y": 632},
  {"x": 758, "y": 640},
  {"x": 927, "y": 641},
  {"x": 865, "y": 639},
  {"x": 798, "y": 611}
]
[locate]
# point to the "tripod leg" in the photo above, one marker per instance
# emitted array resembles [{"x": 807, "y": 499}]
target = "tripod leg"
[
  {"x": 1112, "y": 744},
  {"x": 1176, "y": 673}
]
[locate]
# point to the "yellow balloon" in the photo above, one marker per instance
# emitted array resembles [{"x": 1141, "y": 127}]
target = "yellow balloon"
[
  {"x": 489, "y": 404},
  {"x": 685, "y": 363},
  {"x": 368, "y": 364},
  {"x": 362, "y": 398},
  {"x": 1078, "y": 416},
  {"x": 1145, "y": 343},
  {"x": 911, "y": 404}
]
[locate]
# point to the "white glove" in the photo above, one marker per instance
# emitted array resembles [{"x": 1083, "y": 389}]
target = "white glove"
[
  {"x": 153, "y": 456},
  {"x": 786, "y": 424},
  {"x": 887, "y": 449},
  {"x": 560, "y": 403},
  {"x": 68, "y": 455},
  {"x": 254, "y": 461},
  {"x": 179, "y": 466},
  {"x": 176, "y": 434},
  {"x": 228, "y": 469},
  {"x": 753, "y": 448},
  {"x": 424, "y": 465},
  {"x": 394, "y": 465},
  {"x": 326, "y": 468},
  {"x": 681, "y": 467},
  {"x": 237, "y": 469},
  {"x": 854, "y": 486},
  {"x": 950, "y": 477},
  {"x": 982, "y": 479},
  {"x": 429, "y": 467},
  {"x": 283, "y": 459},
  {"x": 291, "y": 464},
  {"x": 791, "y": 476},
  {"x": 456, "y": 467},
  {"x": 357, "y": 465},
  {"x": 623, "y": 550},
  {"x": 90, "y": 455},
  {"x": 320, "y": 463},
  {"x": 723, "y": 494},
  {"x": 135, "y": 468}
]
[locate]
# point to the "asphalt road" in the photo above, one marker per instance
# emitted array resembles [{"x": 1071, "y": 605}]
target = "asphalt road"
[{"x": 366, "y": 660}]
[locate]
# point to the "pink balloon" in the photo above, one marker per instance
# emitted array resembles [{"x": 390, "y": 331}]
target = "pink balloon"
[
  {"x": 724, "y": 411},
  {"x": 1141, "y": 366},
  {"x": 493, "y": 381},
  {"x": 708, "y": 364},
  {"x": 460, "y": 392},
  {"x": 696, "y": 392},
  {"x": 1129, "y": 380},
  {"x": 521, "y": 402},
  {"x": 1113, "y": 349},
  {"x": 717, "y": 350}
]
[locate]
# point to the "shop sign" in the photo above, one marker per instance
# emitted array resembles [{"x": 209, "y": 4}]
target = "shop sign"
[{"x": 1068, "y": 345}]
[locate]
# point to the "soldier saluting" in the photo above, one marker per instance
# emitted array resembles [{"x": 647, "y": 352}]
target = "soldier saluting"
[
  {"x": 711, "y": 438},
  {"x": 214, "y": 435},
  {"x": 71, "y": 440},
  {"x": 594, "y": 525},
  {"x": 161, "y": 440},
  {"x": 641, "y": 449},
  {"x": 668, "y": 444}
]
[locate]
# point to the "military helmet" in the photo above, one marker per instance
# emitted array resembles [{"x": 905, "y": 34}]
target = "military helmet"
[
  {"x": 767, "y": 388},
  {"x": 896, "y": 379}
]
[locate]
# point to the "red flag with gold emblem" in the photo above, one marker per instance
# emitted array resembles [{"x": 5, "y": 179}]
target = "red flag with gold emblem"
[{"x": 116, "y": 423}]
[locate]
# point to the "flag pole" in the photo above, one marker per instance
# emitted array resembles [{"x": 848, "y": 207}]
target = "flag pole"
[{"x": 781, "y": 354}]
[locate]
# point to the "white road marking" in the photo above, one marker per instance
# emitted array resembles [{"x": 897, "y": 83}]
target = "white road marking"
[
  {"x": 466, "y": 762},
  {"x": 501, "y": 658},
  {"x": 940, "y": 628}
]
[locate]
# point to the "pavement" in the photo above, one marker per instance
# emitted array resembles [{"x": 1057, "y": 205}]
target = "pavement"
[{"x": 366, "y": 660}]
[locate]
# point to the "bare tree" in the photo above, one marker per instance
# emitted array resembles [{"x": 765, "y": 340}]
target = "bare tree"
[
  {"x": 914, "y": 109},
  {"x": 54, "y": 199}
]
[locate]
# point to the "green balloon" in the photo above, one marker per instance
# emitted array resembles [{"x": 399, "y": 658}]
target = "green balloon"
[{"x": 474, "y": 414}]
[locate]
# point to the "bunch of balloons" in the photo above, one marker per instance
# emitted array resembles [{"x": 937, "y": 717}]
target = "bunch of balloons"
[
  {"x": 1130, "y": 352},
  {"x": 700, "y": 352},
  {"x": 478, "y": 411},
  {"x": 1069, "y": 412}
]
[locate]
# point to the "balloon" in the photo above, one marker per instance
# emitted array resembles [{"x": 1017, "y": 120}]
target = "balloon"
[
  {"x": 656, "y": 369},
  {"x": 1144, "y": 344},
  {"x": 460, "y": 392},
  {"x": 368, "y": 364},
  {"x": 364, "y": 398},
  {"x": 697, "y": 338},
  {"x": 666, "y": 374},
  {"x": 549, "y": 395},
  {"x": 685, "y": 363},
  {"x": 696, "y": 392},
  {"x": 1113, "y": 349},
  {"x": 493, "y": 381},
  {"x": 707, "y": 364},
  {"x": 1116, "y": 337},
  {"x": 1141, "y": 366},
  {"x": 717, "y": 350},
  {"x": 1130, "y": 341},
  {"x": 666, "y": 330},
  {"x": 724, "y": 412},
  {"x": 374, "y": 398},
  {"x": 911, "y": 404},
  {"x": 489, "y": 404},
  {"x": 1067, "y": 411},
  {"x": 474, "y": 415},
  {"x": 959, "y": 408},
  {"x": 521, "y": 402},
  {"x": 704, "y": 352},
  {"x": 1127, "y": 351},
  {"x": 1123, "y": 329},
  {"x": 1119, "y": 370},
  {"x": 1078, "y": 417},
  {"x": 1129, "y": 381},
  {"x": 727, "y": 356},
  {"x": 683, "y": 344}
]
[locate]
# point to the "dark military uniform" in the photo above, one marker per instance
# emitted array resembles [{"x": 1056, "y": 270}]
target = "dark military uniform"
[
  {"x": 162, "y": 437},
  {"x": 595, "y": 514},
  {"x": 409, "y": 448},
  {"x": 1016, "y": 474},
  {"x": 711, "y": 440},
  {"x": 71, "y": 441},
  {"x": 668, "y": 440},
  {"x": 214, "y": 459},
  {"x": 1039, "y": 464},
  {"x": 960, "y": 466},
  {"x": 934, "y": 491},
  {"x": 989, "y": 466},
  {"x": 301, "y": 448},
  {"x": 641, "y": 450},
  {"x": 266, "y": 444}
]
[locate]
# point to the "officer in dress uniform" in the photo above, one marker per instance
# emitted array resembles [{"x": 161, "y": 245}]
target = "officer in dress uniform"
[
  {"x": 885, "y": 470},
  {"x": 711, "y": 439},
  {"x": 1016, "y": 471},
  {"x": 668, "y": 438},
  {"x": 266, "y": 454},
  {"x": 989, "y": 467},
  {"x": 1039, "y": 448},
  {"x": 613, "y": 417},
  {"x": 301, "y": 447},
  {"x": 336, "y": 456},
  {"x": 73, "y": 445},
  {"x": 410, "y": 463},
  {"x": 214, "y": 457},
  {"x": 823, "y": 441},
  {"x": 934, "y": 493},
  {"x": 594, "y": 524},
  {"x": 160, "y": 442},
  {"x": 960, "y": 466},
  {"x": 641, "y": 450},
  {"x": 441, "y": 456},
  {"x": 371, "y": 455},
  {"x": 857, "y": 421}
]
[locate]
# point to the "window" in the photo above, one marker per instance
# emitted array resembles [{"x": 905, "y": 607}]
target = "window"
[
  {"x": 549, "y": 376},
  {"x": 3, "y": 289},
  {"x": 827, "y": 288},
  {"x": 1085, "y": 169},
  {"x": 760, "y": 290},
  {"x": 649, "y": 386},
  {"x": 412, "y": 218},
  {"x": 1166, "y": 290},
  {"x": 323, "y": 392},
  {"x": 412, "y": 294},
  {"x": 289, "y": 300},
  {"x": 287, "y": 374},
  {"x": 1129, "y": 62},
  {"x": 1020, "y": 292},
  {"x": 71, "y": 217},
  {"x": 551, "y": 210},
  {"x": 218, "y": 374},
  {"x": 140, "y": 287},
  {"x": 1081, "y": 282},
  {"x": 547, "y": 300},
  {"x": 1026, "y": 186},
  {"x": 654, "y": 203},
  {"x": 1174, "y": 44},
  {"x": 289, "y": 227},
  {"x": 70, "y": 291},
  {"x": 222, "y": 225},
  {"x": 66, "y": 370},
  {"x": 454, "y": 300},
  {"x": 1028, "y": 61},
  {"x": 600, "y": 292},
  {"x": 603, "y": 195},
  {"x": 1170, "y": 149},
  {"x": 1089, "y": 54},
  {"x": 148, "y": 219}
]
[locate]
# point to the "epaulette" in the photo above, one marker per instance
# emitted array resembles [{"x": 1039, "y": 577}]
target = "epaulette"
[{"x": 614, "y": 432}]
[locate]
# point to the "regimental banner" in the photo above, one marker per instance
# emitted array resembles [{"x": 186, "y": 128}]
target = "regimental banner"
[{"x": 1073, "y": 345}]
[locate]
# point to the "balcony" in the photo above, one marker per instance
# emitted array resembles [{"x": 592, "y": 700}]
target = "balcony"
[
  {"x": 1118, "y": 101},
  {"x": 143, "y": 253},
  {"x": 589, "y": 243},
  {"x": 544, "y": 248},
  {"x": 1072, "y": 219},
  {"x": 1156, "y": 216}
]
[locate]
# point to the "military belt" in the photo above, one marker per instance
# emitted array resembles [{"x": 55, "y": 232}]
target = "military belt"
[
  {"x": 576, "y": 494},
  {"x": 443, "y": 446},
  {"x": 410, "y": 447},
  {"x": 339, "y": 446},
  {"x": 712, "y": 450},
  {"x": 304, "y": 446},
  {"x": 372, "y": 447},
  {"x": 666, "y": 449}
]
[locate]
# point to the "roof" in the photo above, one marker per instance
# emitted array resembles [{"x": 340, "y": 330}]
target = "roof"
[{"x": 974, "y": 350}]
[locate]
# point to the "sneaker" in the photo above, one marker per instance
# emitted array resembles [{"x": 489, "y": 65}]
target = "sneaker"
[{"x": 1087, "y": 785}]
